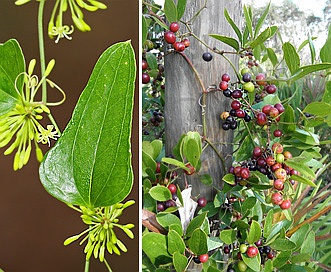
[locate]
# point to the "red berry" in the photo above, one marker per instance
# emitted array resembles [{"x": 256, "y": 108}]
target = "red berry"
[
  {"x": 204, "y": 258},
  {"x": 235, "y": 104},
  {"x": 266, "y": 109},
  {"x": 273, "y": 112},
  {"x": 252, "y": 251},
  {"x": 202, "y": 202},
  {"x": 276, "y": 166},
  {"x": 224, "y": 85},
  {"x": 174, "y": 27},
  {"x": 261, "y": 119},
  {"x": 145, "y": 78},
  {"x": 281, "y": 174},
  {"x": 287, "y": 154},
  {"x": 270, "y": 255},
  {"x": 240, "y": 113},
  {"x": 286, "y": 204},
  {"x": 270, "y": 160},
  {"x": 279, "y": 184},
  {"x": 244, "y": 173},
  {"x": 259, "y": 243},
  {"x": 158, "y": 167},
  {"x": 191, "y": 170},
  {"x": 260, "y": 79},
  {"x": 144, "y": 64},
  {"x": 172, "y": 188},
  {"x": 237, "y": 93},
  {"x": 170, "y": 37},
  {"x": 278, "y": 133},
  {"x": 186, "y": 42},
  {"x": 257, "y": 152},
  {"x": 226, "y": 77},
  {"x": 277, "y": 147},
  {"x": 276, "y": 198},
  {"x": 279, "y": 107},
  {"x": 160, "y": 207},
  {"x": 270, "y": 89},
  {"x": 237, "y": 171},
  {"x": 179, "y": 46}
]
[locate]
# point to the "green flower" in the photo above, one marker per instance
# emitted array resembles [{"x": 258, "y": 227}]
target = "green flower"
[
  {"x": 100, "y": 235},
  {"x": 20, "y": 127},
  {"x": 56, "y": 28}
]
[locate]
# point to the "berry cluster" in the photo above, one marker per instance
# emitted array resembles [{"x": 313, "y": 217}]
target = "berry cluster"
[
  {"x": 171, "y": 38},
  {"x": 156, "y": 117}
]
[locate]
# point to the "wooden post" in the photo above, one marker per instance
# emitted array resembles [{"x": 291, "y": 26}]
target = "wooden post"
[{"x": 183, "y": 91}]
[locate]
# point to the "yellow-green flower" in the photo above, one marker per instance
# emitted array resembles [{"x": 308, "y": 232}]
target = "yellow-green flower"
[
  {"x": 20, "y": 127},
  {"x": 56, "y": 28},
  {"x": 100, "y": 235}
]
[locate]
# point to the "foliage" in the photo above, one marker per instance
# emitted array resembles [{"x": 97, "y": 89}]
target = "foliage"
[{"x": 245, "y": 213}]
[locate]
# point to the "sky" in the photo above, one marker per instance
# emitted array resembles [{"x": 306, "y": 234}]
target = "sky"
[{"x": 314, "y": 6}]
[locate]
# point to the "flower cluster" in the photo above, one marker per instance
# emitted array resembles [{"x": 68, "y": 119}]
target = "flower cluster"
[
  {"x": 55, "y": 25},
  {"x": 23, "y": 120},
  {"x": 100, "y": 235}
]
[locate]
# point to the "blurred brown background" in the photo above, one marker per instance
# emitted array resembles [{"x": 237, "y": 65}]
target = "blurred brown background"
[{"x": 33, "y": 225}]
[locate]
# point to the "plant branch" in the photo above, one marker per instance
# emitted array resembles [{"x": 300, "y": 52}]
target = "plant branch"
[{"x": 42, "y": 49}]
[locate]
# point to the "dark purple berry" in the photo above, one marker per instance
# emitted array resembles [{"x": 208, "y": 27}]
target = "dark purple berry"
[
  {"x": 247, "y": 77},
  {"x": 227, "y": 93},
  {"x": 207, "y": 56}
]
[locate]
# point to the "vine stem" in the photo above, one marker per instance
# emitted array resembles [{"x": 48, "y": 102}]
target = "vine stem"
[
  {"x": 42, "y": 49},
  {"x": 87, "y": 266}
]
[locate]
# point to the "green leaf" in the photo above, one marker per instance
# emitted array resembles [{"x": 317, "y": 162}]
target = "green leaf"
[
  {"x": 321, "y": 109},
  {"x": 160, "y": 193},
  {"x": 255, "y": 232},
  {"x": 175, "y": 243},
  {"x": 12, "y": 64},
  {"x": 229, "y": 178},
  {"x": 248, "y": 20},
  {"x": 195, "y": 223},
  {"x": 305, "y": 70},
  {"x": 243, "y": 152},
  {"x": 282, "y": 244},
  {"x": 327, "y": 93},
  {"x": 167, "y": 219},
  {"x": 268, "y": 267},
  {"x": 180, "y": 262},
  {"x": 227, "y": 40},
  {"x": 302, "y": 168},
  {"x": 144, "y": 29},
  {"x": 303, "y": 180},
  {"x": 253, "y": 263},
  {"x": 288, "y": 118},
  {"x": 291, "y": 57},
  {"x": 294, "y": 268},
  {"x": 272, "y": 56},
  {"x": 90, "y": 165},
  {"x": 155, "y": 247},
  {"x": 198, "y": 242},
  {"x": 177, "y": 228},
  {"x": 170, "y": 11},
  {"x": 191, "y": 151},
  {"x": 174, "y": 162},
  {"x": 325, "y": 53},
  {"x": 308, "y": 245},
  {"x": 248, "y": 204},
  {"x": 266, "y": 34},
  {"x": 228, "y": 236},
  {"x": 181, "y": 6},
  {"x": 233, "y": 25},
  {"x": 261, "y": 20},
  {"x": 282, "y": 258},
  {"x": 213, "y": 243},
  {"x": 151, "y": 60},
  {"x": 301, "y": 257}
]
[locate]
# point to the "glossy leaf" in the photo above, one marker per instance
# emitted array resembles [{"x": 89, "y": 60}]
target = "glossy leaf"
[
  {"x": 160, "y": 193},
  {"x": 272, "y": 56},
  {"x": 195, "y": 223},
  {"x": 229, "y": 178},
  {"x": 151, "y": 60},
  {"x": 325, "y": 53},
  {"x": 167, "y": 219},
  {"x": 261, "y": 21},
  {"x": 253, "y": 263},
  {"x": 198, "y": 242},
  {"x": 175, "y": 243},
  {"x": 321, "y": 109},
  {"x": 90, "y": 165},
  {"x": 180, "y": 262},
  {"x": 265, "y": 35},
  {"x": 282, "y": 244},
  {"x": 174, "y": 162},
  {"x": 246, "y": 144},
  {"x": 12, "y": 63},
  {"x": 303, "y": 180},
  {"x": 248, "y": 20},
  {"x": 305, "y": 70},
  {"x": 170, "y": 11},
  {"x": 282, "y": 258},
  {"x": 308, "y": 245},
  {"x": 233, "y": 25},
  {"x": 181, "y": 6},
  {"x": 248, "y": 204},
  {"x": 255, "y": 232},
  {"x": 152, "y": 241},
  {"x": 191, "y": 151},
  {"x": 291, "y": 57},
  {"x": 327, "y": 93},
  {"x": 144, "y": 29},
  {"x": 227, "y": 40},
  {"x": 228, "y": 236}
]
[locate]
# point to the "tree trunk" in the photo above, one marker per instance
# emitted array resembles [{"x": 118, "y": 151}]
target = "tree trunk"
[{"x": 183, "y": 91}]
